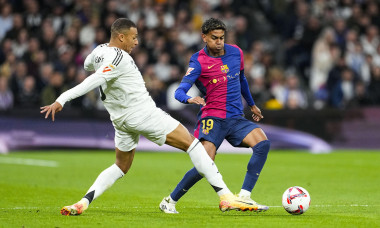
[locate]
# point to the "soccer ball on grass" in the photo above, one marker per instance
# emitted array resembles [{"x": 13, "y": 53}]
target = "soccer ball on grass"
[{"x": 296, "y": 200}]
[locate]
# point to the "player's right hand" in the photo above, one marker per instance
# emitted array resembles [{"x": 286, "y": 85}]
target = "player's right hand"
[
  {"x": 256, "y": 116},
  {"x": 53, "y": 109},
  {"x": 196, "y": 100}
]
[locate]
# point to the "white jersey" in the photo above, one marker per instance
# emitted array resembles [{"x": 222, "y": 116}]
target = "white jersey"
[
  {"x": 122, "y": 87},
  {"x": 124, "y": 94}
]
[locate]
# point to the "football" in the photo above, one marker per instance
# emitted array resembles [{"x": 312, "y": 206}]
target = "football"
[{"x": 296, "y": 200}]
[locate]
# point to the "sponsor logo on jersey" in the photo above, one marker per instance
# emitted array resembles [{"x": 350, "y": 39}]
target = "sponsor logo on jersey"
[
  {"x": 209, "y": 67},
  {"x": 98, "y": 59},
  {"x": 224, "y": 69},
  {"x": 216, "y": 80},
  {"x": 233, "y": 76},
  {"x": 189, "y": 71}
]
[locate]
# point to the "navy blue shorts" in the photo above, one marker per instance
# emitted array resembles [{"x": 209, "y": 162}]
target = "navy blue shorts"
[{"x": 215, "y": 130}]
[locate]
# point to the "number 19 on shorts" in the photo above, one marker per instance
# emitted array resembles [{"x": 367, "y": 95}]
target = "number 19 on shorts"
[{"x": 207, "y": 125}]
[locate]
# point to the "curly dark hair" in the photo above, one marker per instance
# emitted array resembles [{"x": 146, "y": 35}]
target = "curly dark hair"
[
  {"x": 122, "y": 24},
  {"x": 212, "y": 24}
]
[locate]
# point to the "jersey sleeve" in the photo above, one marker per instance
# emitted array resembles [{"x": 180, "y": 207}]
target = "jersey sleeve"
[
  {"x": 90, "y": 83},
  {"x": 113, "y": 65},
  {"x": 245, "y": 89},
  {"x": 243, "y": 80},
  {"x": 88, "y": 64},
  {"x": 192, "y": 74}
]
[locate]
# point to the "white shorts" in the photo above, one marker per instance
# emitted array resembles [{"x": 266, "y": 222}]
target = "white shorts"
[{"x": 154, "y": 127}]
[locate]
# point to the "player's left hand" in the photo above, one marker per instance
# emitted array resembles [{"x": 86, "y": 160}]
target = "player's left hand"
[
  {"x": 256, "y": 116},
  {"x": 53, "y": 109},
  {"x": 197, "y": 100}
]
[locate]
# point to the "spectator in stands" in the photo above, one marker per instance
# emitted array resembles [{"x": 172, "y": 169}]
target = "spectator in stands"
[
  {"x": 243, "y": 35},
  {"x": 163, "y": 68},
  {"x": 33, "y": 17},
  {"x": 28, "y": 95},
  {"x": 370, "y": 40},
  {"x": 6, "y": 22},
  {"x": 155, "y": 87},
  {"x": 292, "y": 27},
  {"x": 323, "y": 57},
  {"x": 20, "y": 45},
  {"x": 18, "y": 24},
  {"x": 303, "y": 60},
  {"x": 5, "y": 50},
  {"x": 6, "y": 95},
  {"x": 340, "y": 31},
  {"x": 293, "y": 96},
  {"x": 48, "y": 39},
  {"x": 259, "y": 91},
  {"x": 374, "y": 86},
  {"x": 45, "y": 71},
  {"x": 55, "y": 87},
  {"x": 277, "y": 83},
  {"x": 141, "y": 59},
  {"x": 17, "y": 79},
  {"x": 355, "y": 59},
  {"x": 361, "y": 97},
  {"x": 376, "y": 57},
  {"x": 372, "y": 10},
  {"x": 351, "y": 40},
  {"x": 30, "y": 56},
  {"x": 9, "y": 66},
  {"x": 65, "y": 58},
  {"x": 342, "y": 91}
]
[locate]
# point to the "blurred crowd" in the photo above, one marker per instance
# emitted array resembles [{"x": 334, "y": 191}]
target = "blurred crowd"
[{"x": 298, "y": 53}]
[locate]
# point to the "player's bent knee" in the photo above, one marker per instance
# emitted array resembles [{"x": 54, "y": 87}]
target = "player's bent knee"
[
  {"x": 263, "y": 146},
  {"x": 124, "y": 159},
  {"x": 180, "y": 138}
]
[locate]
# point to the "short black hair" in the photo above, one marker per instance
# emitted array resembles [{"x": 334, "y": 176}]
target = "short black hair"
[
  {"x": 122, "y": 24},
  {"x": 212, "y": 24}
]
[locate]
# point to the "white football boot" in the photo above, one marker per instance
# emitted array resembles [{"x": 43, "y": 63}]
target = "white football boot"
[{"x": 168, "y": 206}]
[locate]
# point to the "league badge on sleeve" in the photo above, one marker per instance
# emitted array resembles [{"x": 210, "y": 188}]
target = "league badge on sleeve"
[
  {"x": 189, "y": 71},
  {"x": 108, "y": 68}
]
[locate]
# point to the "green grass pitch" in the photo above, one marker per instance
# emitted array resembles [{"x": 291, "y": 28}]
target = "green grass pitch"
[{"x": 34, "y": 185}]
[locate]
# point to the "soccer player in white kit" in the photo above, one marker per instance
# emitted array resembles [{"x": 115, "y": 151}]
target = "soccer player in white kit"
[{"x": 133, "y": 113}]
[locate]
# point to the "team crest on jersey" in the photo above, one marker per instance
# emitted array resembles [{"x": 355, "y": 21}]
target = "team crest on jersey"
[
  {"x": 189, "y": 71},
  {"x": 224, "y": 69},
  {"x": 108, "y": 68}
]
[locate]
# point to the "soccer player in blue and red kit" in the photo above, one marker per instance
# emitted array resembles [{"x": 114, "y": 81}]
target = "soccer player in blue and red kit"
[{"x": 218, "y": 72}]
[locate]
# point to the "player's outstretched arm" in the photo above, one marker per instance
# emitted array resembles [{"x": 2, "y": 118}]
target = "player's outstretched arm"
[
  {"x": 90, "y": 83},
  {"x": 257, "y": 116},
  {"x": 53, "y": 109}
]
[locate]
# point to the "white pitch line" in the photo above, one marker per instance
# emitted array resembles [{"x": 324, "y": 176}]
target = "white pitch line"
[
  {"x": 27, "y": 161},
  {"x": 152, "y": 207}
]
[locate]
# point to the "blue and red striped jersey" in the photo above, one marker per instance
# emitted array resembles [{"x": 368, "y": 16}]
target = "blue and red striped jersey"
[{"x": 220, "y": 79}]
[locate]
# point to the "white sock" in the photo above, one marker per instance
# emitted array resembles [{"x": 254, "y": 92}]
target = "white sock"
[
  {"x": 206, "y": 167},
  {"x": 244, "y": 193},
  {"x": 171, "y": 200},
  {"x": 104, "y": 181}
]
